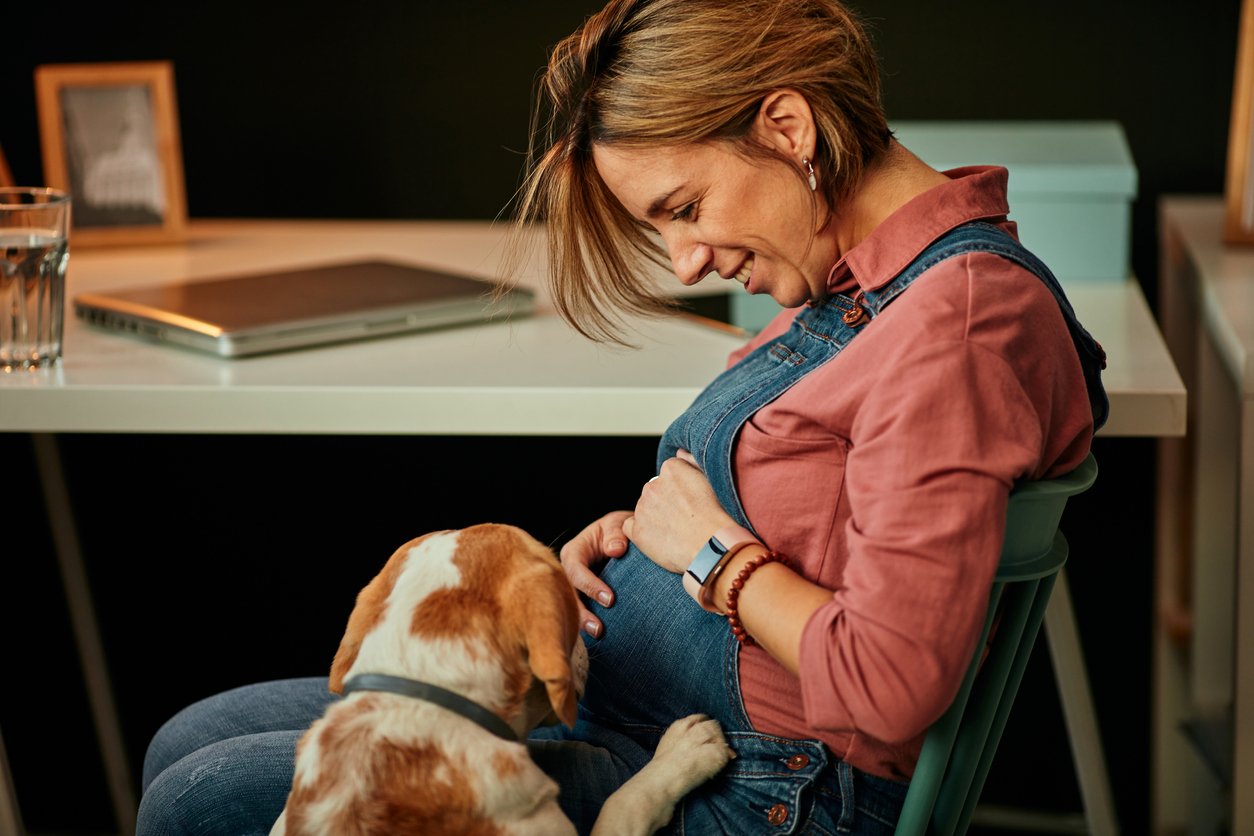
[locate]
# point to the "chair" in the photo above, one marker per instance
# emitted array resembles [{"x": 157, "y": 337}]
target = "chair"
[{"x": 960, "y": 745}]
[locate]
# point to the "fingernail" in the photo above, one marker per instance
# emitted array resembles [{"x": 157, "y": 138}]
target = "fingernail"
[
  {"x": 604, "y": 598},
  {"x": 590, "y": 627},
  {"x": 617, "y": 544}
]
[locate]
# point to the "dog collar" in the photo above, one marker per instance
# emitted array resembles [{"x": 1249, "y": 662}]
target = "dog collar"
[{"x": 432, "y": 694}]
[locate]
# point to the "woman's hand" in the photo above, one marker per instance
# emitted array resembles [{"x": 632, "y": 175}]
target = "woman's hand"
[
  {"x": 677, "y": 513},
  {"x": 590, "y": 547}
]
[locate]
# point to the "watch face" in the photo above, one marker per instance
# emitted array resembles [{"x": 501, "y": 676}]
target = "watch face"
[{"x": 706, "y": 560}]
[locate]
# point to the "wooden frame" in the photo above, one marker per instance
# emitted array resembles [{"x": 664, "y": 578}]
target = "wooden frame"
[
  {"x": 1239, "y": 189},
  {"x": 6, "y": 176},
  {"x": 110, "y": 137}
]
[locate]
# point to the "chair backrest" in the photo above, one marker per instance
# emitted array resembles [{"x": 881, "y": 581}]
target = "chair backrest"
[{"x": 960, "y": 745}]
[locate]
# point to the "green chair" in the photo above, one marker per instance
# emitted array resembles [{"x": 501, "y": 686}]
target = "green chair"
[{"x": 960, "y": 745}]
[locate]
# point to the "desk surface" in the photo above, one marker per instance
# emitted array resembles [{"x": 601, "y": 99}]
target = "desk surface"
[
  {"x": 530, "y": 376},
  {"x": 1226, "y": 279}
]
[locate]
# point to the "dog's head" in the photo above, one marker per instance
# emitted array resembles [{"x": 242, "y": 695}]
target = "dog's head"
[{"x": 450, "y": 601}]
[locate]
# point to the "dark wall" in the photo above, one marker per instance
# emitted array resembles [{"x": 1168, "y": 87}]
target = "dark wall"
[
  {"x": 221, "y": 560},
  {"x": 419, "y": 110}
]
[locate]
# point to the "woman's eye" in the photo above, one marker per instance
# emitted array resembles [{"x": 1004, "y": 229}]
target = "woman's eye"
[{"x": 685, "y": 214}]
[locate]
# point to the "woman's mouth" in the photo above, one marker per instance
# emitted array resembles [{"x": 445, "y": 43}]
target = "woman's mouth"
[{"x": 746, "y": 269}]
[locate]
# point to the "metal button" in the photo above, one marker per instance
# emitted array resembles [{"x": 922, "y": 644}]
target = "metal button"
[
  {"x": 777, "y": 814},
  {"x": 798, "y": 761}
]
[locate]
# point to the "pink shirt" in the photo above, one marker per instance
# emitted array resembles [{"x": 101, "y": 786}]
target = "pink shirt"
[{"x": 886, "y": 473}]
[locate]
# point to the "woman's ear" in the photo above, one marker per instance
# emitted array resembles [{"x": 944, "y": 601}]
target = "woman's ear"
[{"x": 786, "y": 123}]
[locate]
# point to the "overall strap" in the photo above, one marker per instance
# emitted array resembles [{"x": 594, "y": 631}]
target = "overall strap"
[
  {"x": 983, "y": 237},
  {"x": 708, "y": 429}
]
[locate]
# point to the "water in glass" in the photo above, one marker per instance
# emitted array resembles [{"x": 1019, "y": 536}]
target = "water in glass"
[{"x": 32, "y": 297}]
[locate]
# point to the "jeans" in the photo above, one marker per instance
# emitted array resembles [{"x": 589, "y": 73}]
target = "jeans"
[
  {"x": 224, "y": 765},
  {"x": 661, "y": 658}
]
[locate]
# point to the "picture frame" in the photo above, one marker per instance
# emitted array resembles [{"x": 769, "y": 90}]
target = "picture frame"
[
  {"x": 1239, "y": 185},
  {"x": 6, "y": 176},
  {"x": 110, "y": 136}
]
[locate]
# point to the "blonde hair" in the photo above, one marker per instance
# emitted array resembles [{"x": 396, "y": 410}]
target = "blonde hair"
[{"x": 659, "y": 72}]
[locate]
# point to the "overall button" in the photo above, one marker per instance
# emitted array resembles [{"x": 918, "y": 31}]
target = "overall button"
[
  {"x": 777, "y": 814},
  {"x": 798, "y": 761}
]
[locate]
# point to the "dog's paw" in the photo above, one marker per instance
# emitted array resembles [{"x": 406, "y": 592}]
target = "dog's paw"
[{"x": 695, "y": 748}]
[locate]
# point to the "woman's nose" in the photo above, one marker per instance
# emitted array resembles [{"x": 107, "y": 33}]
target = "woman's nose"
[{"x": 691, "y": 259}]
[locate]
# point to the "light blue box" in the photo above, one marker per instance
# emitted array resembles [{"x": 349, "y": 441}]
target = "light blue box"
[{"x": 1071, "y": 188}]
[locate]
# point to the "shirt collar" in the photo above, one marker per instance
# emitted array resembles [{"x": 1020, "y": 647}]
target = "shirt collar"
[{"x": 973, "y": 193}]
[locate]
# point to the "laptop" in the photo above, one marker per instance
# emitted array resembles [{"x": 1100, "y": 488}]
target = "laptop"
[{"x": 255, "y": 314}]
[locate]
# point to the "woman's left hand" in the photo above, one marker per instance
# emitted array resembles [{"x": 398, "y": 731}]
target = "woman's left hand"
[{"x": 677, "y": 513}]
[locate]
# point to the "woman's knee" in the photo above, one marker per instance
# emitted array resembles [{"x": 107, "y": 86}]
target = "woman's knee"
[
  {"x": 281, "y": 705},
  {"x": 235, "y": 786}
]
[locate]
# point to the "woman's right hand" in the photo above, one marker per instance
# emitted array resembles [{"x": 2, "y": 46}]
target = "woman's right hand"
[{"x": 589, "y": 548}]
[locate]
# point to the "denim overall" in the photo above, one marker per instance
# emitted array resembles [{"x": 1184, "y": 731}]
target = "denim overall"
[{"x": 662, "y": 657}]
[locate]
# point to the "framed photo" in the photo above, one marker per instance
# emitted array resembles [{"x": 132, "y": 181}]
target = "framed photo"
[
  {"x": 110, "y": 137},
  {"x": 6, "y": 177},
  {"x": 1239, "y": 190}
]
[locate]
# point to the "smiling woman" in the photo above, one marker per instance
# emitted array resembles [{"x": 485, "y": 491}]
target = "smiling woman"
[
  {"x": 644, "y": 76},
  {"x": 742, "y": 217},
  {"x": 718, "y": 212},
  {"x": 838, "y": 495},
  {"x": 812, "y": 563}
]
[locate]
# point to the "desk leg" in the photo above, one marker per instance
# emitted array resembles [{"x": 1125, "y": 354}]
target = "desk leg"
[
  {"x": 10, "y": 818},
  {"x": 1243, "y": 656},
  {"x": 86, "y": 631},
  {"x": 1078, "y": 711}
]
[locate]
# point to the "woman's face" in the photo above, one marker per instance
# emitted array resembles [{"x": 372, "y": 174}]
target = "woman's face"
[{"x": 748, "y": 220}]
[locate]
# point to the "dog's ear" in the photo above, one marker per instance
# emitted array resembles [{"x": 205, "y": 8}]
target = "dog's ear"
[
  {"x": 371, "y": 603},
  {"x": 550, "y": 622}
]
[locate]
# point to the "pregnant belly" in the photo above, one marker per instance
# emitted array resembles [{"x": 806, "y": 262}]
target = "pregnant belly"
[{"x": 661, "y": 657}]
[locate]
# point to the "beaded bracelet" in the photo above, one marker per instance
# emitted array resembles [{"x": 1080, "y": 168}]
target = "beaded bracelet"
[{"x": 733, "y": 594}]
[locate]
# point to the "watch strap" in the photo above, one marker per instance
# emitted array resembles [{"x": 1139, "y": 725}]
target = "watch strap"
[{"x": 708, "y": 562}]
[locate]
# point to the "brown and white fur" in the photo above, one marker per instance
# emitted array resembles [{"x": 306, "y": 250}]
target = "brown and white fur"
[{"x": 485, "y": 612}]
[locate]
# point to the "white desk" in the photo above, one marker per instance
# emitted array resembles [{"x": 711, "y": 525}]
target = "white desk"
[
  {"x": 532, "y": 376},
  {"x": 1204, "y": 636}
]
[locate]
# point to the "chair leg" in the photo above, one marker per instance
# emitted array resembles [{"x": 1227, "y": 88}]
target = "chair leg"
[
  {"x": 1078, "y": 711},
  {"x": 1022, "y": 653},
  {"x": 977, "y": 740}
]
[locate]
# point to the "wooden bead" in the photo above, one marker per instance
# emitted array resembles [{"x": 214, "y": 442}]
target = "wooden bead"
[{"x": 738, "y": 583}]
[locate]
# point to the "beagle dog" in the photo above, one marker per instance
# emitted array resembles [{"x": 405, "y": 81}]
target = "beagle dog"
[{"x": 464, "y": 643}]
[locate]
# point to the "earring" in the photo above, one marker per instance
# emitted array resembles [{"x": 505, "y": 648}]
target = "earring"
[{"x": 814, "y": 184}]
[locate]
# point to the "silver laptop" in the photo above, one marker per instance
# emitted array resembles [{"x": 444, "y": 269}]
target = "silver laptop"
[{"x": 244, "y": 315}]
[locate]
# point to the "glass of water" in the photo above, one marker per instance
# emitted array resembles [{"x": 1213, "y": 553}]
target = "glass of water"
[{"x": 34, "y": 229}]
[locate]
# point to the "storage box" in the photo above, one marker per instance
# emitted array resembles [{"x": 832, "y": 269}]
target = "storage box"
[{"x": 1071, "y": 189}]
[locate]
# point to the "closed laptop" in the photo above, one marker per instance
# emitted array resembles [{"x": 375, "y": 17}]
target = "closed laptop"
[{"x": 245, "y": 315}]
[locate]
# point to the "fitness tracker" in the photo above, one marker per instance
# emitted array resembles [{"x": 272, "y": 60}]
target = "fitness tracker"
[{"x": 708, "y": 563}]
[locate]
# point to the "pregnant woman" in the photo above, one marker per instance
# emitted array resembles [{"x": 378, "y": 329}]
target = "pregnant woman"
[
  {"x": 812, "y": 562},
  {"x": 834, "y": 502}
]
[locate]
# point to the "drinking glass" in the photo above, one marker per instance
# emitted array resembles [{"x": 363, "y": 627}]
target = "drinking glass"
[{"x": 34, "y": 229}]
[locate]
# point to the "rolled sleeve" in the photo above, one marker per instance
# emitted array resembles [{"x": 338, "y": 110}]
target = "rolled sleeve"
[{"x": 932, "y": 459}]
